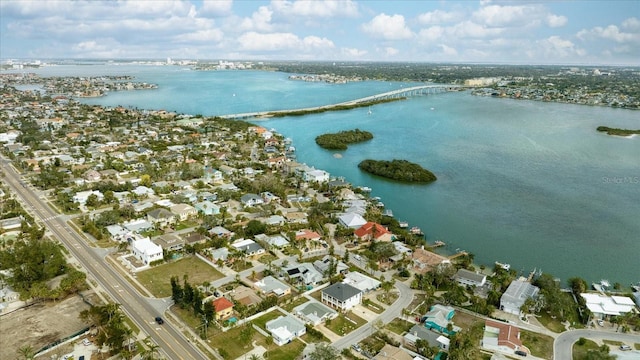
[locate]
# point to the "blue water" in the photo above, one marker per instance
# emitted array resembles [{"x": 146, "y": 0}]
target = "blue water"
[{"x": 527, "y": 183}]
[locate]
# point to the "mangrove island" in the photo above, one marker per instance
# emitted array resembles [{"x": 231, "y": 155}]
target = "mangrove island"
[
  {"x": 617, "y": 132},
  {"x": 339, "y": 141},
  {"x": 401, "y": 170}
]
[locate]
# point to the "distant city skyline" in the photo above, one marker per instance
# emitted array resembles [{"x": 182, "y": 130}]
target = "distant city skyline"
[{"x": 510, "y": 32}]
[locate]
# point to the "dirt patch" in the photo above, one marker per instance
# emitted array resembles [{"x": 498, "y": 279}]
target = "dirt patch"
[{"x": 39, "y": 325}]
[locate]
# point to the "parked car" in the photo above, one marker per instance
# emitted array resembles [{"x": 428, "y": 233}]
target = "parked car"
[
  {"x": 159, "y": 320},
  {"x": 520, "y": 352}
]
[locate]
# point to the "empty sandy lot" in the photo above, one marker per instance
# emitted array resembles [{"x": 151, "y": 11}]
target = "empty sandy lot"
[{"x": 39, "y": 325}]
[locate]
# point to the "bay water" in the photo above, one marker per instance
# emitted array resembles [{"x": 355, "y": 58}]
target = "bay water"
[{"x": 532, "y": 184}]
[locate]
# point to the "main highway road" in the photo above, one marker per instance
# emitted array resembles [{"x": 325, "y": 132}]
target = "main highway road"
[{"x": 172, "y": 343}]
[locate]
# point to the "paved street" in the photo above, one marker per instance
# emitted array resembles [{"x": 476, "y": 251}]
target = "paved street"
[
  {"x": 172, "y": 343},
  {"x": 562, "y": 346}
]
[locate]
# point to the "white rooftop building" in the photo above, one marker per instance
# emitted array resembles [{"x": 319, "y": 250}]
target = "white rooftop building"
[
  {"x": 603, "y": 306},
  {"x": 146, "y": 251}
]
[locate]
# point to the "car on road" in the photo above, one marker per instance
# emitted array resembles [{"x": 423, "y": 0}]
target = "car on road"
[
  {"x": 520, "y": 352},
  {"x": 625, "y": 347},
  {"x": 159, "y": 320}
]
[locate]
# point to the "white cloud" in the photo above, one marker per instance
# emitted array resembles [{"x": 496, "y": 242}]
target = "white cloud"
[
  {"x": 390, "y": 51},
  {"x": 353, "y": 52},
  {"x": 447, "y": 50},
  {"x": 438, "y": 17},
  {"x": 431, "y": 34},
  {"x": 253, "y": 41},
  {"x": 316, "y": 8},
  {"x": 556, "y": 20},
  {"x": 216, "y": 7},
  {"x": 554, "y": 47},
  {"x": 388, "y": 27},
  {"x": 209, "y": 35},
  {"x": 259, "y": 20},
  {"x": 631, "y": 24},
  {"x": 611, "y": 33}
]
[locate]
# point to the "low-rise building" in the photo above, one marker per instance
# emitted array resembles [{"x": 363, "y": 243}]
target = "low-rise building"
[
  {"x": 272, "y": 286},
  {"x": 314, "y": 313},
  {"x": 604, "y": 306},
  {"x": 285, "y": 328},
  {"x": 341, "y": 296},
  {"x": 169, "y": 242},
  {"x": 146, "y": 251},
  {"x": 183, "y": 211},
  {"x": 438, "y": 318},
  {"x": 499, "y": 336},
  {"x": 224, "y": 308},
  {"x": 515, "y": 296},
  {"x": 465, "y": 277},
  {"x": 361, "y": 282}
]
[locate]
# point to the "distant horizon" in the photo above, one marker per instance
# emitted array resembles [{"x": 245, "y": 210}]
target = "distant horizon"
[
  {"x": 164, "y": 60},
  {"x": 458, "y": 31}
]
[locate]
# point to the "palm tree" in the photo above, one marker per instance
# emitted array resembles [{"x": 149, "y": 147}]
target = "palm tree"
[
  {"x": 26, "y": 352},
  {"x": 255, "y": 357},
  {"x": 152, "y": 350}
]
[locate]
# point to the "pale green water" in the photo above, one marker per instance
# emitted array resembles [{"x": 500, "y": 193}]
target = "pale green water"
[{"x": 527, "y": 183}]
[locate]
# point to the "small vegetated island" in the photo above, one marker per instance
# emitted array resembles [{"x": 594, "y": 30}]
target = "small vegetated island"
[
  {"x": 617, "y": 132},
  {"x": 339, "y": 141},
  {"x": 400, "y": 170}
]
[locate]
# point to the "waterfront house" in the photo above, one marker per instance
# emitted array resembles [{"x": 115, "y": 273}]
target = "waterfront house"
[
  {"x": 351, "y": 220},
  {"x": 516, "y": 294},
  {"x": 499, "y": 336},
  {"x": 285, "y": 328},
  {"x": 272, "y": 286},
  {"x": 224, "y": 308},
  {"x": 465, "y": 277},
  {"x": 314, "y": 313},
  {"x": 424, "y": 260},
  {"x": 373, "y": 231},
  {"x": 341, "y": 296},
  {"x": 604, "y": 306}
]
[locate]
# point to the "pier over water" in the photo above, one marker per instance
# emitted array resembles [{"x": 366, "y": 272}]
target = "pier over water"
[{"x": 395, "y": 94}]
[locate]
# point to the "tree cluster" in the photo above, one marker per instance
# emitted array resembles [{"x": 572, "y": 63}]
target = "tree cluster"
[
  {"x": 340, "y": 140},
  {"x": 400, "y": 170}
]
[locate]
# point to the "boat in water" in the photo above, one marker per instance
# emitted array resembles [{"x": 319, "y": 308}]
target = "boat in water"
[
  {"x": 416, "y": 231},
  {"x": 439, "y": 243},
  {"x": 503, "y": 266},
  {"x": 403, "y": 224}
]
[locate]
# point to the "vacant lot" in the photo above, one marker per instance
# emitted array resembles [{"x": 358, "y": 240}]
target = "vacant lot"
[
  {"x": 158, "y": 279},
  {"x": 39, "y": 325}
]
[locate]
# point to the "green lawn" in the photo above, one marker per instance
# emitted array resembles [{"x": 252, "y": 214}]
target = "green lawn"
[
  {"x": 580, "y": 351},
  {"x": 158, "y": 279},
  {"x": 399, "y": 326},
  {"x": 285, "y": 352},
  {"x": 551, "y": 324},
  {"x": 262, "y": 320},
  {"x": 342, "y": 326},
  {"x": 613, "y": 343},
  {"x": 290, "y": 306},
  {"x": 540, "y": 345}
]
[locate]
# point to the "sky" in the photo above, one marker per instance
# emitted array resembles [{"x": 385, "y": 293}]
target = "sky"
[{"x": 579, "y": 32}]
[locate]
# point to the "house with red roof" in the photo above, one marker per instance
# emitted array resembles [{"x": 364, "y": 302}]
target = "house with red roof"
[
  {"x": 373, "y": 231},
  {"x": 502, "y": 337},
  {"x": 224, "y": 308}
]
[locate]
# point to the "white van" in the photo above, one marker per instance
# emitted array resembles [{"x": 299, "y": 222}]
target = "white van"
[{"x": 357, "y": 257}]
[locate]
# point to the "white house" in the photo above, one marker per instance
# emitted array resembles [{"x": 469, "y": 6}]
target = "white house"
[
  {"x": 515, "y": 296},
  {"x": 251, "y": 200},
  {"x": 146, "y": 251},
  {"x": 82, "y": 196},
  {"x": 314, "y": 175},
  {"x": 206, "y": 207},
  {"x": 351, "y": 220},
  {"x": 465, "y": 277},
  {"x": 183, "y": 211},
  {"x": 603, "y": 306},
  {"x": 314, "y": 312},
  {"x": 341, "y": 296},
  {"x": 285, "y": 328},
  {"x": 361, "y": 282}
]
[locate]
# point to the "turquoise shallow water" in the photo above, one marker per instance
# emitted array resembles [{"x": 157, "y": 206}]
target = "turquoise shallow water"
[{"x": 528, "y": 183}]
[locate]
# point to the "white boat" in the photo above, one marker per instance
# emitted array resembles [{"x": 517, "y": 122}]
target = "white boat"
[
  {"x": 506, "y": 267},
  {"x": 364, "y": 188},
  {"x": 403, "y": 224}
]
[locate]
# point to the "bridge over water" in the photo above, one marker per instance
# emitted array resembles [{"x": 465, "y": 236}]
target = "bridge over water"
[{"x": 395, "y": 94}]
